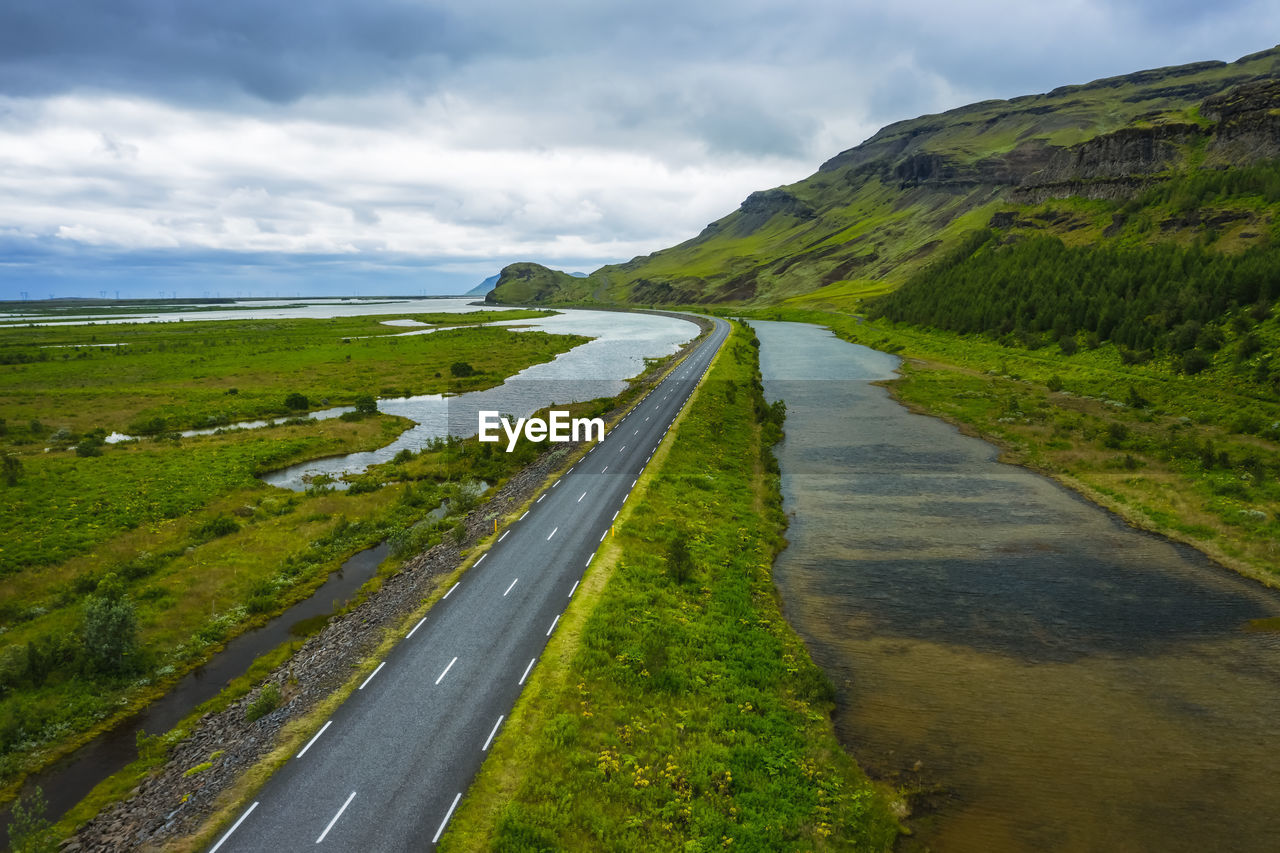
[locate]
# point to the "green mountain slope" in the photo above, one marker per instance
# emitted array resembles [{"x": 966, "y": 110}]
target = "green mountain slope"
[{"x": 1116, "y": 160}]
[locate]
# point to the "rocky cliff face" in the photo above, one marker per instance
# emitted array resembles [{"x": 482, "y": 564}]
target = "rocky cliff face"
[{"x": 1248, "y": 122}]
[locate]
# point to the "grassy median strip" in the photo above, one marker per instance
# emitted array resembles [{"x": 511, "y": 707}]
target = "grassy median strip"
[{"x": 674, "y": 708}]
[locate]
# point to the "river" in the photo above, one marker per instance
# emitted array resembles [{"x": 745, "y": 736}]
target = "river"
[{"x": 1046, "y": 676}]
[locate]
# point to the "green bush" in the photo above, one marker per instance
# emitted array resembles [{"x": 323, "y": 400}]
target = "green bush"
[
  {"x": 679, "y": 560},
  {"x": 29, "y": 829},
  {"x": 267, "y": 700},
  {"x": 11, "y": 469},
  {"x": 222, "y": 525},
  {"x": 366, "y": 404},
  {"x": 297, "y": 402},
  {"x": 461, "y": 369},
  {"x": 110, "y": 627}
]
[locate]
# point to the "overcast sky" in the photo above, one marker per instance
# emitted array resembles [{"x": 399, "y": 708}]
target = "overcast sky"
[{"x": 396, "y": 146}]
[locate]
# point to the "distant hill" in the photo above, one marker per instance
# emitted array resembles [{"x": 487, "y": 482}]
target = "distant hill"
[
  {"x": 1172, "y": 156},
  {"x": 483, "y": 287}
]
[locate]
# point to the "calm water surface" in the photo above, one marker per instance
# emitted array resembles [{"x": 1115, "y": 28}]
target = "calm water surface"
[
  {"x": 1059, "y": 680},
  {"x": 621, "y": 343}
]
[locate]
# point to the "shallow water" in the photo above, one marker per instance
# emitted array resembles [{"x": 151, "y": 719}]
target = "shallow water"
[
  {"x": 598, "y": 368},
  {"x": 1058, "y": 680}
]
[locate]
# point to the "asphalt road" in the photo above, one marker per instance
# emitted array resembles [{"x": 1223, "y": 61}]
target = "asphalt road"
[{"x": 388, "y": 770}]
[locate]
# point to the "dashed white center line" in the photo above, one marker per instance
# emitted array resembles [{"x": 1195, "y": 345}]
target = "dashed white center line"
[
  {"x": 448, "y": 815},
  {"x": 513, "y": 586},
  {"x": 419, "y": 625},
  {"x": 605, "y": 468},
  {"x": 637, "y": 432},
  {"x": 575, "y": 588},
  {"x": 314, "y": 738},
  {"x": 234, "y": 827},
  {"x": 455, "y": 586},
  {"x": 553, "y": 625},
  {"x": 526, "y": 670},
  {"x": 489, "y": 739},
  {"x": 446, "y": 670},
  {"x": 372, "y": 674},
  {"x": 580, "y": 497},
  {"x": 335, "y": 817},
  {"x": 552, "y": 533}
]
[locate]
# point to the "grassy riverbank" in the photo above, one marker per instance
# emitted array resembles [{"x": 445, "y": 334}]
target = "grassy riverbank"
[
  {"x": 126, "y": 565},
  {"x": 674, "y": 708},
  {"x": 1195, "y": 457}
]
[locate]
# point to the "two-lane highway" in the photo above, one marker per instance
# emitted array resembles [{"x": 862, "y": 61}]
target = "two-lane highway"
[{"x": 388, "y": 770}]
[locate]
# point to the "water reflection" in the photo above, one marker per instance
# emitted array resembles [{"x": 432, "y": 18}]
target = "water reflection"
[
  {"x": 621, "y": 342},
  {"x": 1063, "y": 681}
]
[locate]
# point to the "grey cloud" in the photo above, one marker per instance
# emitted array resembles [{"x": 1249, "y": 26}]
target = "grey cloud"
[{"x": 277, "y": 51}]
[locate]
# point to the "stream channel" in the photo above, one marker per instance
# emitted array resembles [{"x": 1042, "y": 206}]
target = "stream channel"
[
  {"x": 1048, "y": 677},
  {"x": 599, "y": 368}
]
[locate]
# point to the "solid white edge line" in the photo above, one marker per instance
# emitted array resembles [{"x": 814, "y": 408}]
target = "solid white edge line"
[
  {"x": 526, "y": 670},
  {"x": 513, "y": 586},
  {"x": 553, "y": 624},
  {"x": 552, "y": 533},
  {"x": 602, "y": 535},
  {"x": 633, "y": 482},
  {"x": 335, "y": 817},
  {"x": 314, "y": 738},
  {"x": 615, "y": 515},
  {"x": 556, "y": 483},
  {"x": 458, "y": 584},
  {"x": 589, "y": 559},
  {"x": 372, "y": 674},
  {"x": 521, "y": 518},
  {"x": 448, "y": 815},
  {"x": 415, "y": 628},
  {"x": 504, "y": 534},
  {"x": 575, "y": 588},
  {"x": 482, "y": 556},
  {"x": 570, "y": 471},
  {"x": 539, "y": 500},
  {"x": 489, "y": 739},
  {"x": 446, "y": 669},
  {"x": 234, "y": 827}
]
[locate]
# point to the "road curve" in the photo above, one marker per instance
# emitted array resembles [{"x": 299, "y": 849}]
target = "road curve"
[{"x": 386, "y": 772}]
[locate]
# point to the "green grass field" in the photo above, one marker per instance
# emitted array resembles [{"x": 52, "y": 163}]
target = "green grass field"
[{"x": 181, "y": 529}]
